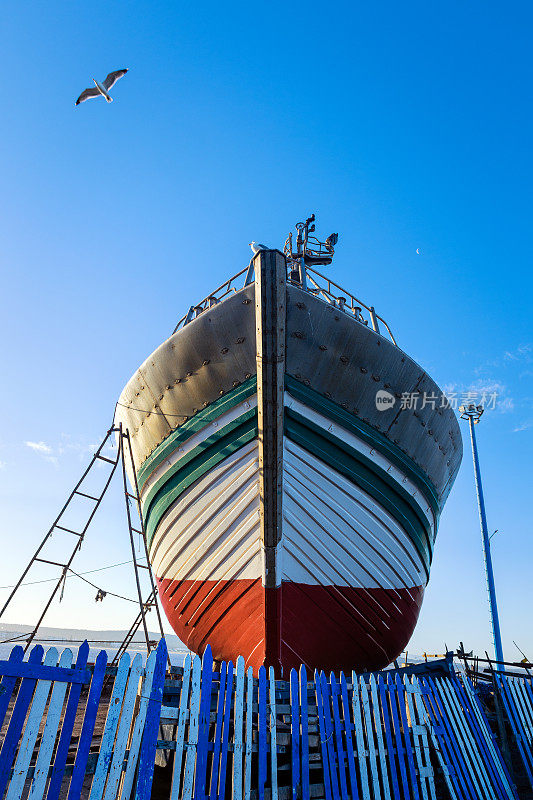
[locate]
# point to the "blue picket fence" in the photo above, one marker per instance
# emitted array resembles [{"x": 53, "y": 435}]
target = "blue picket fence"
[
  {"x": 42, "y": 700},
  {"x": 373, "y": 737},
  {"x": 517, "y": 696},
  {"x": 228, "y": 734}
]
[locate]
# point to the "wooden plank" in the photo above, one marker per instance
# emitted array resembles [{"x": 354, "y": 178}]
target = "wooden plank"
[
  {"x": 400, "y": 695},
  {"x": 27, "y": 669},
  {"x": 335, "y": 693},
  {"x": 384, "y": 704},
  {"x": 397, "y": 731},
  {"x": 110, "y": 729},
  {"x": 225, "y": 733},
  {"x": 249, "y": 721},
  {"x": 31, "y": 730},
  {"x": 143, "y": 695},
  {"x": 371, "y": 745},
  {"x": 128, "y": 704},
  {"x": 484, "y": 739},
  {"x": 479, "y": 772},
  {"x": 376, "y": 710},
  {"x": 238, "y": 748},
  {"x": 218, "y": 732},
  {"x": 8, "y": 683},
  {"x": 60, "y": 759},
  {"x": 190, "y": 759},
  {"x": 16, "y": 722},
  {"x": 180, "y": 730},
  {"x": 521, "y": 741},
  {"x": 425, "y": 770},
  {"x": 330, "y": 743},
  {"x": 348, "y": 736},
  {"x": 456, "y": 766},
  {"x": 304, "y": 713},
  {"x": 150, "y": 727},
  {"x": 262, "y": 728},
  {"x": 203, "y": 724},
  {"x": 295, "y": 734},
  {"x": 89, "y": 719},
  {"x": 359, "y": 737},
  {"x": 48, "y": 738},
  {"x": 322, "y": 736}
]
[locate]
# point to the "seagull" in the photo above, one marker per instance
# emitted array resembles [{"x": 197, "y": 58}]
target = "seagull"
[
  {"x": 102, "y": 88},
  {"x": 256, "y": 247}
]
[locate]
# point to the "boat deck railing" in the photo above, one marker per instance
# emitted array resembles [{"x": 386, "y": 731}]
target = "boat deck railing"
[{"x": 311, "y": 281}]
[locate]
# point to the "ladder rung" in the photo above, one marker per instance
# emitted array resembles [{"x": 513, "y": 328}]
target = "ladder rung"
[
  {"x": 96, "y": 499},
  {"x": 133, "y": 496},
  {"x": 142, "y": 566},
  {"x": 136, "y": 530},
  {"x": 61, "y": 528},
  {"x": 56, "y": 563},
  {"x": 104, "y": 458}
]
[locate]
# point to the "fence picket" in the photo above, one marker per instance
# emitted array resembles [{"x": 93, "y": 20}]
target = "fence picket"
[
  {"x": 115, "y": 770},
  {"x": 203, "y": 724},
  {"x": 295, "y": 733},
  {"x": 249, "y": 720},
  {"x": 225, "y": 733},
  {"x": 150, "y": 727},
  {"x": 16, "y": 722},
  {"x": 273, "y": 734},
  {"x": 180, "y": 730},
  {"x": 194, "y": 711},
  {"x": 84, "y": 744},
  {"x": 379, "y": 735},
  {"x": 262, "y": 735},
  {"x": 360, "y": 738},
  {"x": 8, "y": 682},
  {"x": 31, "y": 730},
  {"x": 322, "y": 736},
  {"x": 384, "y": 703},
  {"x": 397, "y": 730},
  {"x": 144, "y": 688},
  {"x": 304, "y": 710},
  {"x": 238, "y": 731},
  {"x": 348, "y": 728},
  {"x": 338, "y": 736},
  {"x": 48, "y": 738},
  {"x": 400, "y": 695},
  {"x": 110, "y": 729}
]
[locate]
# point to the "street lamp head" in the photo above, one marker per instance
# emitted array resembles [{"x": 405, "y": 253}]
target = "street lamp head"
[{"x": 472, "y": 412}]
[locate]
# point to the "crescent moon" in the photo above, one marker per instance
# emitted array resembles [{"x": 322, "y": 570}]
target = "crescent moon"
[{"x": 418, "y": 251}]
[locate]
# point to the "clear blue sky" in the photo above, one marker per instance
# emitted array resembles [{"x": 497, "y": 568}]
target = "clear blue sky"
[{"x": 402, "y": 126}]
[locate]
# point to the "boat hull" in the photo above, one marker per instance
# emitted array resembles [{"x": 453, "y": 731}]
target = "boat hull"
[{"x": 289, "y": 518}]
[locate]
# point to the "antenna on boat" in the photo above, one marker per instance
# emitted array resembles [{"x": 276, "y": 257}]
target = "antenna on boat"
[{"x": 309, "y": 252}]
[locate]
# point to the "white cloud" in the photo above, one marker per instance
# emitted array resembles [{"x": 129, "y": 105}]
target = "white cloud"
[
  {"x": 523, "y": 427},
  {"x": 39, "y": 447}
]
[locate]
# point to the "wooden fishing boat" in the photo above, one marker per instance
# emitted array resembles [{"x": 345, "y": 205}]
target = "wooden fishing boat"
[{"x": 292, "y": 463}]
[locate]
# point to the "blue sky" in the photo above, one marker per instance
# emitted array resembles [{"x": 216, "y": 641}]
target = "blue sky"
[{"x": 402, "y": 126}]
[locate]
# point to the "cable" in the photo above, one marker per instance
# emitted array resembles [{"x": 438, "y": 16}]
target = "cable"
[
  {"x": 120, "y": 596},
  {"x": 89, "y": 572},
  {"x": 144, "y": 411}
]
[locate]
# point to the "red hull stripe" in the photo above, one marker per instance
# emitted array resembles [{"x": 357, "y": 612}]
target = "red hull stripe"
[
  {"x": 323, "y": 627},
  {"x": 193, "y": 425}
]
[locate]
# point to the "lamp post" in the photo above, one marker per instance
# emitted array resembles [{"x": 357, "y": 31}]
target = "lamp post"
[{"x": 473, "y": 414}]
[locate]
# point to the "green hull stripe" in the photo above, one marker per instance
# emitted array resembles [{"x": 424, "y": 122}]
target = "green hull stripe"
[
  {"x": 194, "y": 465},
  {"x": 193, "y": 425},
  {"x": 366, "y": 475},
  {"x": 359, "y": 470},
  {"x": 391, "y": 451}
]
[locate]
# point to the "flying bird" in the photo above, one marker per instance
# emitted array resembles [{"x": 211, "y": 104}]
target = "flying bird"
[
  {"x": 102, "y": 89},
  {"x": 256, "y": 247},
  {"x": 418, "y": 251}
]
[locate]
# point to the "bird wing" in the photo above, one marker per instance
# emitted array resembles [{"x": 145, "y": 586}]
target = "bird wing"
[
  {"x": 87, "y": 94},
  {"x": 112, "y": 78}
]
